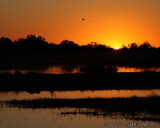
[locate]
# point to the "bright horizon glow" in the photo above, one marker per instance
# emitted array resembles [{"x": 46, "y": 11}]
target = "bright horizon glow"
[
  {"x": 116, "y": 48},
  {"x": 110, "y": 22}
]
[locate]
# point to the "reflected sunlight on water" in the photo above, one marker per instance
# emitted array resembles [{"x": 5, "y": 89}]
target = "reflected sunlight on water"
[
  {"x": 135, "y": 69},
  {"x": 53, "y": 118},
  {"x": 74, "y": 117},
  {"x": 71, "y": 69},
  {"x": 4, "y": 96},
  {"x": 54, "y": 69}
]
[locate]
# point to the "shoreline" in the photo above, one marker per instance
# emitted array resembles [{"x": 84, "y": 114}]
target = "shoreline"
[{"x": 87, "y": 81}]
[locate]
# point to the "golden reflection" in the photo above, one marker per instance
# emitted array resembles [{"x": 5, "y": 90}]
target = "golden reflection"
[
  {"x": 53, "y": 118},
  {"x": 129, "y": 69},
  {"x": 134, "y": 69},
  {"x": 5, "y": 96},
  {"x": 61, "y": 69}
]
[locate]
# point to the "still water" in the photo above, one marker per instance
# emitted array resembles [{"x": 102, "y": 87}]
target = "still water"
[
  {"x": 53, "y": 118},
  {"x": 5, "y": 96},
  {"x": 14, "y": 116},
  {"x": 69, "y": 69}
]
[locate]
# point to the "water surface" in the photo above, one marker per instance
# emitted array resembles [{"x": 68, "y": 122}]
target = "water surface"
[
  {"x": 69, "y": 69},
  {"x": 5, "y": 96},
  {"x": 53, "y": 118},
  {"x": 14, "y": 116}
]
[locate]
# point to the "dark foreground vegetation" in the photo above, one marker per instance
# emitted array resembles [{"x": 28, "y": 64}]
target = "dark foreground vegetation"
[
  {"x": 35, "y": 50},
  {"x": 131, "y": 107},
  {"x": 33, "y": 82}
]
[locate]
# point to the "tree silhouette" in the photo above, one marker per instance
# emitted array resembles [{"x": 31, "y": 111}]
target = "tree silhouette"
[
  {"x": 69, "y": 50},
  {"x": 145, "y": 47},
  {"x": 31, "y": 44},
  {"x": 133, "y": 47},
  {"x": 5, "y": 44},
  {"x": 68, "y": 44}
]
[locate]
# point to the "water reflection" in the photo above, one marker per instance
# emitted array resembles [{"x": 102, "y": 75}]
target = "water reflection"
[
  {"x": 52, "y": 118},
  {"x": 136, "y": 69},
  {"x": 54, "y": 69},
  {"x": 5, "y": 96},
  {"x": 70, "y": 69},
  {"x": 67, "y": 109}
]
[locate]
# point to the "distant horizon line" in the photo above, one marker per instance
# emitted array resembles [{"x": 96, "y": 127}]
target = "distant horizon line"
[{"x": 114, "y": 47}]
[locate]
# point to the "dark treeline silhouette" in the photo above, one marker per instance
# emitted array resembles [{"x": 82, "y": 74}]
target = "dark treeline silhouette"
[
  {"x": 36, "y": 48},
  {"x": 33, "y": 44}
]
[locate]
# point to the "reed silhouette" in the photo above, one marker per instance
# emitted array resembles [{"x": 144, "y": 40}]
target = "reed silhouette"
[{"x": 131, "y": 107}]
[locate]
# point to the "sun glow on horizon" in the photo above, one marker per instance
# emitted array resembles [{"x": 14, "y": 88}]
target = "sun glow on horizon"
[
  {"x": 116, "y": 48},
  {"x": 110, "y": 22}
]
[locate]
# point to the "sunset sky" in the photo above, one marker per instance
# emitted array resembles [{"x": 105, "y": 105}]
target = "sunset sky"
[{"x": 110, "y": 22}]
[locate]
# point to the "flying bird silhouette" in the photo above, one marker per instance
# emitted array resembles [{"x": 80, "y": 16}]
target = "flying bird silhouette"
[{"x": 83, "y": 19}]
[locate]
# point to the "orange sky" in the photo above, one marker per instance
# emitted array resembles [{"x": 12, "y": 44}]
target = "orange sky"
[{"x": 110, "y": 22}]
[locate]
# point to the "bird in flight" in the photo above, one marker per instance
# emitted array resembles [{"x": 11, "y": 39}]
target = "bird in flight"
[{"x": 83, "y": 19}]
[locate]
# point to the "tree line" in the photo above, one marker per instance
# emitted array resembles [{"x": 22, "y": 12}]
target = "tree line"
[{"x": 38, "y": 44}]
